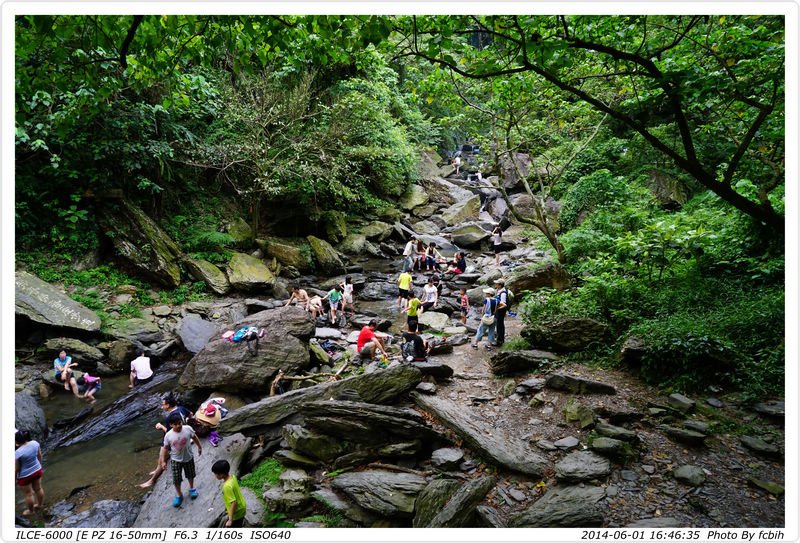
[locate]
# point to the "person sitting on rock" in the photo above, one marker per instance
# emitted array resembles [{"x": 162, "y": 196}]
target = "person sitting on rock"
[
  {"x": 300, "y": 296},
  {"x": 458, "y": 264},
  {"x": 369, "y": 343},
  {"x": 140, "y": 370},
  {"x": 415, "y": 348},
  {"x": 430, "y": 295},
  {"x": 316, "y": 307},
  {"x": 62, "y": 371},
  {"x": 432, "y": 258}
]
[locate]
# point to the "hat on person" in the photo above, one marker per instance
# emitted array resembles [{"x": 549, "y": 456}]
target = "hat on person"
[
  {"x": 501, "y": 282},
  {"x": 210, "y": 415},
  {"x": 489, "y": 291}
]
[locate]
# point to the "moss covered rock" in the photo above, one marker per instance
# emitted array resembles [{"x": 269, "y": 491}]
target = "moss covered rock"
[
  {"x": 241, "y": 232},
  {"x": 334, "y": 226},
  {"x": 205, "y": 271},
  {"x": 248, "y": 273},
  {"x": 415, "y": 196},
  {"x": 288, "y": 253},
  {"x": 326, "y": 256}
]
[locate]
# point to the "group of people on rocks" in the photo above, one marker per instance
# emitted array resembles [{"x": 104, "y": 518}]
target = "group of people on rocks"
[{"x": 86, "y": 386}]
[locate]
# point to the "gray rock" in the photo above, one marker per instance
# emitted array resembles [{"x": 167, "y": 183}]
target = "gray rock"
[
  {"x": 435, "y": 320},
  {"x": 532, "y": 384},
  {"x": 681, "y": 403},
  {"x": 547, "y": 445},
  {"x": 714, "y": 402},
  {"x": 505, "y": 363},
  {"x": 236, "y": 367},
  {"x": 414, "y": 196},
  {"x": 296, "y": 480},
  {"x": 447, "y": 459},
  {"x": 648, "y": 469},
  {"x": 564, "y": 507},
  {"x": 348, "y": 509},
  {"x": 691, "y": 475},
  {"x": 489, "y": 516},
  {"x": 616, "y": 432},
  {"x": 104, "y": 514},
  {"x": 195, "y": 332},
  {"x": 577, "y": 385},
  {"x": 43, "y": 303},
  {"x": 328, "y": 333},
  {"x": 494, "y": 444},
  {"x": 437, "y": 370},
  {"x": 609, "y": 447},
  {"x": 383, "y": 492},
  {"x": 156, "y": 512},
  {"x": 567, "y": 443},
  {"x": 774, "y": 409},
  {"x": 247, "y": 273},
  {"x": 210, "y": 274},
  {"x": 377, "y": 230},
  {"x": 629, "y": 475},
  {"x": 761, "y": 447},
  {"x": 293, "y": 459},
  {"x": 426, "y": 388},
  {"x": 461, "y": 211},
  {"x": 142, "y": 331},
  {"x": 469, "y": 235},
  {"x": 582, "y": 466},
  {"x": 432, "y": 499},
  {"x": 690, "y": 437},
  {"x": 460, "y": 509},
  {"x": 85, "y": 355},
  {"x": 656, "y": 522},
  {"x": 568, "y": 334},
  {"x": 29, "y": 416},
  {"x": 697, "y": 426},
  {"x": 326, "y": 256},
  {"x": 536, "y": 277},
  {"x": 771, "y": 487}
]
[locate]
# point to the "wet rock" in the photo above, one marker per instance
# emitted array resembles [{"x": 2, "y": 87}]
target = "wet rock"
[
  {"x": 577, "y": 385},
  {"x": 237, "y": 367},
  {"x": 103, "y": 514},
  {"x": 156, "y": 512},
  {"x": 691, "y": 475},
  {"x": 690, "y": 437},
  {"x": 616, "y": 432},
  {"x": 195, "y": 332},
  {"x": 563, "y": 508},
  {"x": 492, "y": 443},
  {"x": 761, "y": 447},
  {"x": 43, "y": 303},
  {"x": 432, "y": 499},
  {"x": 447, "y": 459},
  {"x": 568, "y": 334},
  {"x": 582, "y": 466},
  {"x": 29, "y": 416},
  {"x": 681, "y": 403},
  {"x": 506, "y": 363},
  {"x": 460, "y": 509},
  {"x": 383, "y": 492},
  {"x": 567, "y": 443}
]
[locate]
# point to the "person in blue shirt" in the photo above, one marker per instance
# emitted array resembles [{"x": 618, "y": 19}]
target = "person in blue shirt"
[{"x": 62, "y": 371}]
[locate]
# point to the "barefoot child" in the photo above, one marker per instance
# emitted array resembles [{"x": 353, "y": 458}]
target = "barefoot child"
[
  {"x": 235, "y": 505},
  {"x": 178, "y": 446},
  {"x": 93, "y": 385},
  {"x": 464, "y": 305}
]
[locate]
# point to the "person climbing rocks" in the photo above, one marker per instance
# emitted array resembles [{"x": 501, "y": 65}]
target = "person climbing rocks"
[
  {"x": 315, "y": 306},
  {"x": 140, "y": 370},
  {"x": 169, "y": 405},
  {"x": 62, "y": 371},
  {"x": 369, "y": 343},
  {"x": 413, "y": 309},
  {"x": 299, "y": 296},
  {"x": 348, "y": 296},
  {"x": 456, "y": 162},
  {"x": 28, "y": 470},
  {"x": 487, "y": 319},
  {"x": 408, "y": 254},
  {"x": 464, "y": 305},
  {"x": 497, "y": 243},
  {"x": 403, "y": 287},
  {"x": 178, "y": 448},
  {"x": 334, "y": 297}
]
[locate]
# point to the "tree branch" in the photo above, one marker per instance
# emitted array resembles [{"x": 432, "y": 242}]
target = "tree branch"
[{"x": 123, "y": 51}]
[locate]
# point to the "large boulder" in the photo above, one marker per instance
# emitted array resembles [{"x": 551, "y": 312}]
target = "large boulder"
[
  {"x": 428, "y": 167},
  {"x": 248, "y": 273},
  {"x": 514, "y": 170},
  {"x": 582, "y": 466},
  {"x": 104, "y": 514},
  {"x": 533, "y": 278},
  {"x": 435, "y": 320},
  {"x": 469, "y": 235},
  {"x": 211, "y": 275},
  {"x": 334, "y": 225},
  {"x": 287, "y": 253},
  {"x": 240, "y": 232},
  {"x": 509, "y": 362},
  {"x": 141, "y": 243},
  {"x": 568, "y": 334},
  {"x": 238, "y": 367},
  {"x": 386, "y": 493},
  {"x": 195, "y": 332},
  {"x": 43, "y": 303},
  {"x": 414, "y": 196},
  {"x": 668, "y": 190},
  {"x": 208, "y": 508},
  {"x": 137, "y": 330},
  {"x": 325, "y": 255},
  {"x": 377, "y": 230},
  {"x": 29, "y": 416},
  {"x": 462, "y": 211},
  {"x": 566, "y": 507},
  {"x": 353, "y": 244},
  {"x": 460, "y": 510},
  {"x": 446, "y": 192}
]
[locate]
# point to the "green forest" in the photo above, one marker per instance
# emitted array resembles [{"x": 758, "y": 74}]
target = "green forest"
[{"x": 192, "y": 117}]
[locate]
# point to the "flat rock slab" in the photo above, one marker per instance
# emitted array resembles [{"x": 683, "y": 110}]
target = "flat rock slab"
[
  {"x": 608, "y": 446},
  {"x": 492, "y": 443},
  {"x": 577, "y": 385},
  {"x": 104, "y": 514},
  {"x": 681, "y": 403},
  {"x": 43, "y": 303},
  {"x": 432, "y": 499},
  {"x": 328, "y": 333},
  {"x": 566, "y": 443},
  {"x": 759, "y": 446},
  {"x": 775, "y": 409},
  {"x": 203, "y": 512},
  {"x": 383, "y": 492},
  {"x": 656, "y": 522},
  {"x": 616, "y": 432},
  {"x": 564, "y": 507},
  {"x": 460, "y": 509},
  {"x": 582, "y": 466},
  {"x": 505, "y": 363},
  {"x": 690, "y": 437},
  {"x": 348, "y": 509},
  {"x": 434, "y": 369},
  {"x": 195, "y": 332},
  {"x": 447, "y": 459}
]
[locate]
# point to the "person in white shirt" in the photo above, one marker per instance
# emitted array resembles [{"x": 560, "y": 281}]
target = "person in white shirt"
[
  {"x": 140, "y": 370},
  {"x": 408, "y": 254},
  {"x": 430, "y": 296}
]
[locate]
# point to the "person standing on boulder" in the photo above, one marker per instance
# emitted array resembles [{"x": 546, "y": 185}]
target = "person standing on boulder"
[
  {"x": 169, "y": 405},
  {"x": 140, "y": 370},
  {"x": 403, "y": 288},
  {"x": 500, "y": 312},
  {"x": 334, "y": 297},
  {"x": 28, "y": 470},
  {"x": 497, "y": 243},
  {"x": 178, "y": 447},
  {"x": 62, "y": 371},
  {"x": 408, "y": 254}
]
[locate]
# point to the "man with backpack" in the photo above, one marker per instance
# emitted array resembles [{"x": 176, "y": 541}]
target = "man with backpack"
[
  {"x": 487, "y": 319},
  {"x": 415, "y": 349},
  {"x": 503, "y": 302}
]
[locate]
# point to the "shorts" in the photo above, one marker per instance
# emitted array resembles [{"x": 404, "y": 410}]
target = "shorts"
[
  {"x": 348, "y": 298},
  {"x": 25, "y": 481},
  {"x": 237, "y": 523},
  {"x": 413, "y": 322},
  {"x": 457, "y": 271},
  {"x": 334, "y": 306},
  {"x": 143, "y": 381},
  {"x": 496, "y": 249},
  {"x": 187, "y": 467},
  {"x": 368, "y": 350},
  {"x": 427, "y": 305},
  {"x": 402, "y": 293},
  {"x": 58, "y": 376},
  {"x": 464, "y": 311}
]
